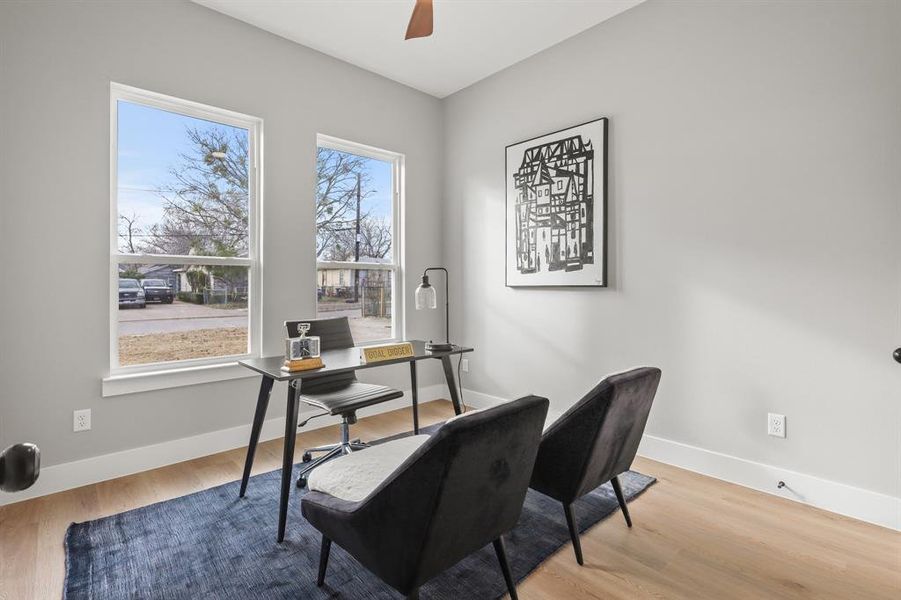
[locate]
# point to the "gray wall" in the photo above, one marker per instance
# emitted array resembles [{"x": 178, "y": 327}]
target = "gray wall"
[
  {"x": 754, "y": 227},
  {"x": 56, "y": 63}
]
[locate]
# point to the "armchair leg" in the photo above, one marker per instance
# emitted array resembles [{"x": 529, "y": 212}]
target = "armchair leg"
[
  {"x": 573, "y": 532},
  {"x": 621, "y": 499},
  {"x": 501, "y": 552},
  {"x": 414, "y": 595},
  {"x": 323, "y": 560}
]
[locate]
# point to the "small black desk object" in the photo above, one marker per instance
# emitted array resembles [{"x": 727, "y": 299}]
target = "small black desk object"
[{"x": 336, "y": 361}]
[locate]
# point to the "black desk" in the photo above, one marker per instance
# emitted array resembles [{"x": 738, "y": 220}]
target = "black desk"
[{"x": 336, "y": 361}]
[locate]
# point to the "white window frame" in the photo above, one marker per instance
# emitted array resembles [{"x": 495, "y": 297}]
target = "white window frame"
[
  {"x": 398, "y": 288},
  {"x": 126, "y": 379}
]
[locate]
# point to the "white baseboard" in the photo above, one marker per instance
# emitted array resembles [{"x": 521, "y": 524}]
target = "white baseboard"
[
  {"x": 840, "y": 498},
  {"x": 66, "y": 476},
  {"x": 865, "y": 505},
  {"x": 479, "y": 400},
  {"x": 858, "y": 503}
]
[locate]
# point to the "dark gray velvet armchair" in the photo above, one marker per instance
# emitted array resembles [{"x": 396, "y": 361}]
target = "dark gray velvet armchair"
[
  {"x": 595, "y": 441},
  {"x": 461, "y": 490}
]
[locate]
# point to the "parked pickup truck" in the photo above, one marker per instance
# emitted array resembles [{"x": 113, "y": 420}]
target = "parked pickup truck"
[
  {"x": 131, "y": 293},
  {"x": 157, "y": 290}
]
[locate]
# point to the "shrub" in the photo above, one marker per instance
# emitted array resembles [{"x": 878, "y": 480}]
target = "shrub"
[
  {"x": 130, "y": 273},
  {"x": 198, "y": 279},
  {"x": 192, "y": 297}
]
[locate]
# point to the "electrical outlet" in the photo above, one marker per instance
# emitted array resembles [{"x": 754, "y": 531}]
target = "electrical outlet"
[
  {"x": 775, "y": 425},
  {"x": 81, "y": 420},
  {"x": 465, "y": 365}
]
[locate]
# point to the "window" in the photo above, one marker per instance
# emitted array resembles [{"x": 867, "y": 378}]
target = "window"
[
  {"x": 358, "y": 238},
  {"x": 184, "y": 254}
]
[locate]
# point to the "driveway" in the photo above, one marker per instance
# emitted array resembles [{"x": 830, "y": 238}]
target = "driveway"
[
  {"x": 364, "y": 329},
  {"x": 178, "y": 316}
]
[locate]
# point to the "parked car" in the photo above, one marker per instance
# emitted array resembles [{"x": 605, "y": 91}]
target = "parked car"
[
  {"x": 131, "y": 293},
  {"x": 157, "y": 290}
]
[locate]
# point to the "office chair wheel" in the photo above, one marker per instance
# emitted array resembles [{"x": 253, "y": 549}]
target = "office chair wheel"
[
  {"x": 307, "y": 457},
  {"x": 301, "y": 482}
]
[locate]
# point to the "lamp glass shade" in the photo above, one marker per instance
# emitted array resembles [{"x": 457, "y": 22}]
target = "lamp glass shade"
[{"x": 426, "y": 297}]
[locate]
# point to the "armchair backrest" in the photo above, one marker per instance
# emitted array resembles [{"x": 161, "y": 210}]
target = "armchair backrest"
[
  {"x": 460, "y": 491},
  {"x": 598, "y": 437},
  {"x": 334, "y": 334}
]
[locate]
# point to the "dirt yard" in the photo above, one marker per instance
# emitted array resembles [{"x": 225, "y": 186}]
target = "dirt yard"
[
  {"x": 147, "y": 340},
  {"x": 181, "y": 345}
]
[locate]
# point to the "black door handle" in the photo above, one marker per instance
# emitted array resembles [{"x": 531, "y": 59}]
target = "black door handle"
[{"x": 897, "y": 355}]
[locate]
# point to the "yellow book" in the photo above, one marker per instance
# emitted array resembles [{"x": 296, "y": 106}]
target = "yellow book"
[{"x": 371, "y": 354}]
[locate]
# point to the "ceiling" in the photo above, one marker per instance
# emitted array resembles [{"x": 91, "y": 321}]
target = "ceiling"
[{"x": 473, "y": 38}]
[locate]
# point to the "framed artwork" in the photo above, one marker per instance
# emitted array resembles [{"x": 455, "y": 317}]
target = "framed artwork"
[{"x": 557, "y": 208}]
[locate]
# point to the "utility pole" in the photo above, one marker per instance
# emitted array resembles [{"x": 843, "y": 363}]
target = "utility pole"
[{"x": 357, "y": 247}]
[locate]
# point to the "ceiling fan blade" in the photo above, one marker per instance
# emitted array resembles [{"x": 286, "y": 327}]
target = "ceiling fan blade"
[{"x": 421, "y": 21}]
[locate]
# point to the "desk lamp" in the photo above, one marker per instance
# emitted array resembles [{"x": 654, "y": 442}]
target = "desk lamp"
[{"x": 426, "y": 297}]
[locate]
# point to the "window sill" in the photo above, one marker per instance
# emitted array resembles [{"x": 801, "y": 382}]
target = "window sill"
[{"x": 132, "y": 383}]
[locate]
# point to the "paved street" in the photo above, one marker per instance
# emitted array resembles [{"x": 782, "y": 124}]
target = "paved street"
[{"x": 178, "y": 316}]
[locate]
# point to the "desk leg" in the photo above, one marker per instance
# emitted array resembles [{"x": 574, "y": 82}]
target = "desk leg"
[
  {"x": 415, "y": 389},
  {"x": 258, "y": 417},
  {"x": 288, "y": 457},
  {"x": 451, "y": 383}
]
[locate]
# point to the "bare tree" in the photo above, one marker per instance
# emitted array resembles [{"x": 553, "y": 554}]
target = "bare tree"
[
  {"x": 206, "y": 205},
  {"x": 375, "y": 240},
  {"x": 172, "y": 236},
  {"x": 206, "y": 208},
  {"x": 336, "y": 198},
  {"x": 128, "y": 231}
]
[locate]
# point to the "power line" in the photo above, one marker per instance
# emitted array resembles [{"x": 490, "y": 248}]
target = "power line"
[{"x": 139, "y": 189}]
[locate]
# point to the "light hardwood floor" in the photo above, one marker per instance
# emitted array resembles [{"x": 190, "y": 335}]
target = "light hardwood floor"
[{"x": 693, "y": 536}]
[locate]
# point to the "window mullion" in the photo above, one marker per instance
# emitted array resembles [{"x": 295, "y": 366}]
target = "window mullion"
[
  {"x": 356, "y": 266},
  {"x": 161, "y": 259}
]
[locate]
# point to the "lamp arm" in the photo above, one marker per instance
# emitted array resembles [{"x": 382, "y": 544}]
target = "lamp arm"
[{"x": 446, "y": 300}]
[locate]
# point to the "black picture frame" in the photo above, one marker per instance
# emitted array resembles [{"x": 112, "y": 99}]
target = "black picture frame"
[{"x": 575, "y": 258}]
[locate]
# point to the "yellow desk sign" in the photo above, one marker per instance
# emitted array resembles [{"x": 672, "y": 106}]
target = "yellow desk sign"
[{"x": 371, "y": 354}]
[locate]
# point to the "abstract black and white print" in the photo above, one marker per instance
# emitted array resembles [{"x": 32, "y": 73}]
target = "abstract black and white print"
[{"x": 556, "y": 206}]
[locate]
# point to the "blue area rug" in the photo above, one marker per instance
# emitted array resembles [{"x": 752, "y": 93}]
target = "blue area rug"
[{"x": 212, "y": 544}]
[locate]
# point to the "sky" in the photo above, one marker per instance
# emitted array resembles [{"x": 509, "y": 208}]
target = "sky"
[{"x": 150, "y": 141}]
